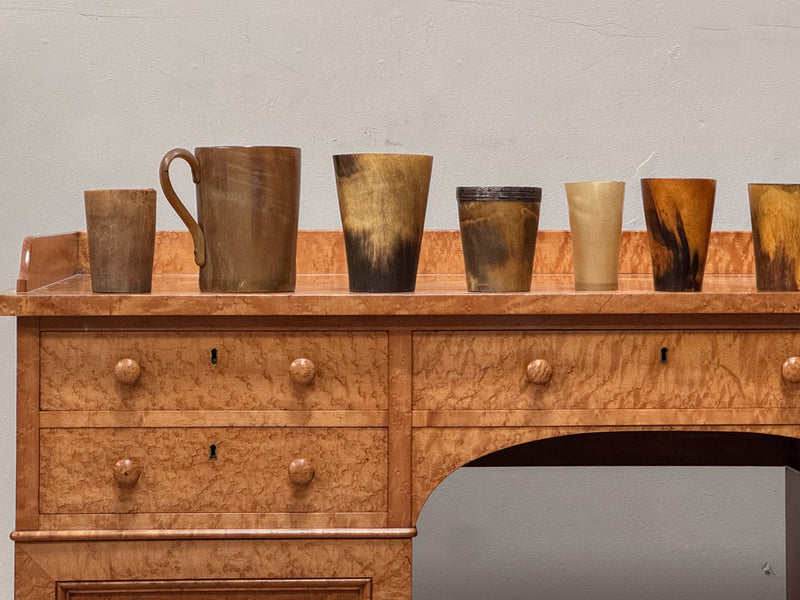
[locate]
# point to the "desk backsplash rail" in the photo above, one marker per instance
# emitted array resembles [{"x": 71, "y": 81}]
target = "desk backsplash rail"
[{"x": 48, "y": 259}]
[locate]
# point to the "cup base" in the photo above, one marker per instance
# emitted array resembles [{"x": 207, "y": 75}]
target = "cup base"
[
  {"x": 381, "y": 291},
  {"x": 596, "y": 287},
  {"x": 247, "y": 289},
  {"x": 776, "y": 288},
  {"x": 103, "y": 290},
  {"x": 498, "y": 290}
]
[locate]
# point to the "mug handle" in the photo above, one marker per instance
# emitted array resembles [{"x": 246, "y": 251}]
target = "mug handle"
[{"x": 197, "y": 233}]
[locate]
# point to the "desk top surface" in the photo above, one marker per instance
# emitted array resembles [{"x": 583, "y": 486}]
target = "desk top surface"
[{"x": 55, "y": 281}]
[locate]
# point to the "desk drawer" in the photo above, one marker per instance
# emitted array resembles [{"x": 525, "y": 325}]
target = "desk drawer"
[
  {"x": 214, "y": 371},
  {"x": 252, "y": 470},
  {"x": 603, "y": 370}
]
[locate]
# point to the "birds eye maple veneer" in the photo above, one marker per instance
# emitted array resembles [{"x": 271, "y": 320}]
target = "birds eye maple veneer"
[{"x": 282, "y": 445}]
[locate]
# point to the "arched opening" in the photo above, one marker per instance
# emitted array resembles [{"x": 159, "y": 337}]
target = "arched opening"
[
  {"x": 655, "y": 514},
  {"x": 651, "y": 449}
]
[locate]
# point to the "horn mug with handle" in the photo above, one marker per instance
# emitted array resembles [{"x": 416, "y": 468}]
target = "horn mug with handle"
[{"x": 245, "y": 235}]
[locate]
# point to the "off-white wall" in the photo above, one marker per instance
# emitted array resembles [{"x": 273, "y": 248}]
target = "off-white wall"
[{"x": 511, "y": 92}]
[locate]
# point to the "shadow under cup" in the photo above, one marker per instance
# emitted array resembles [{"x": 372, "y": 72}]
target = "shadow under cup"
[{"x": 498, "y": 235}]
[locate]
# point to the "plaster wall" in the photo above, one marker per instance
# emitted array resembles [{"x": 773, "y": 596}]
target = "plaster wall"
[{"x": 501, "y": 92}]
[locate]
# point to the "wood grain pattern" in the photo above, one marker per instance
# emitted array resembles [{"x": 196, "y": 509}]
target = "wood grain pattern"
[
  {"x": 382, "y": 200},
  {"x": 400, "y": 420},
  {"x": 385, "y": 562},
  {"x": 498, "y": 235},
  {"x": 604, "y": 370},
  {"x": 678, "y": 213},
  {"x": 211, "y": 418},
  {"x": 440, "y": 451},
  {"x": 730, "y": 254},
  {"x": 222, "y": 523},
  {"x": 604, "y": 416},
  {"x": 30, "y": 580},
  {"x": 322, "y": 252},
  {"x": 436, "y": 296},
  {"x": 48, "y": 259},
  {"x": 178, "y": 372},
  {"x": 775, "y": 215},
  {"x": 249, "y": 474},
  {"x": 27, "y": 511},
  {"x": 405, "y": 389},
  {"x": 161, "y": 535}
]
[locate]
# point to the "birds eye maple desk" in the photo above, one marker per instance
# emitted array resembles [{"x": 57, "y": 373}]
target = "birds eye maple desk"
[{"x": 282, "y": 446}]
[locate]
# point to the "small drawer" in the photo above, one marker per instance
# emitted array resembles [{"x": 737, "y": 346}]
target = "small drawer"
[
  {"x": 606, "y": 370},
  {"x": 214, "y": 371},
  {"x": 213, "y": 470}
]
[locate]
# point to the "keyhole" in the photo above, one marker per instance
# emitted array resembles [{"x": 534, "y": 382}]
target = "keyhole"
[
  {"x": 212, "y": 452},
  {"x": 213, "y": 356},
  {"x": 664, "y": 355}
]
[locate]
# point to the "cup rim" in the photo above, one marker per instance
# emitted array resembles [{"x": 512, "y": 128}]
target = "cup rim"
[
  {"x": 776, "y": 184},
  {"x": 107, "y": 190},
  {"x": 239, "y": 147},
  {"x": 678, "y": 179},
  {"x": 383, "y": 154},
  {"x": 498, "y": 193},
  {"x": 597, "y": 181}
]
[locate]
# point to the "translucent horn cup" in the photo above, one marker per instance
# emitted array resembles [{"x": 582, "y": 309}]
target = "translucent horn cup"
[{"x": 595, "y": 221}]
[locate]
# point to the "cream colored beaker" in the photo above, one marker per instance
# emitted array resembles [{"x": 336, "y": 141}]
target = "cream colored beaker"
[{"x": 595, "y": 219}]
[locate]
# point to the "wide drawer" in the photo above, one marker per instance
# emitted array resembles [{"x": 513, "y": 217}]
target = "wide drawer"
[
  {"x": 214, "y": 371},
  {"x": 603, "y": 370},
  {"x": 248, "y": 470}
]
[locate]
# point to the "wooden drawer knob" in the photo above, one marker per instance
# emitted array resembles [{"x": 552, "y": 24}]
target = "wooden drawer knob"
[
  {"x": 302, "y": 371},
  {"x": 126, "y": 472},
  {"x": 301, "y": 472},
  {"x": 790, "y": 369},
  {"x": 127, "y": 371},
  {"x": 539, "y": 371}
]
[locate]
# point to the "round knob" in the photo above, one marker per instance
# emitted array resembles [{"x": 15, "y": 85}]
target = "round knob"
[
  {"x": 127, "y": 371},
  {"x": 126, "y": 472},
  {"x": 301, "y": 472},
  {"x": 790, "y": 369},
  {"x": 302, "y": 371},
  {"x": 539, "y": 371}
]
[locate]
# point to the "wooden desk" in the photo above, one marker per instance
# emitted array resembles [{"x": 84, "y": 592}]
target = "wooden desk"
[{"x": 281, "y": 446}]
